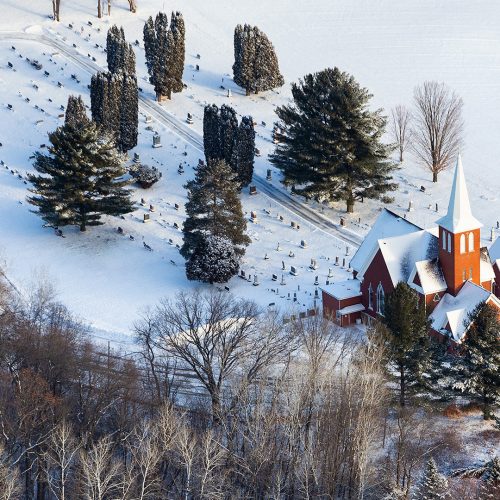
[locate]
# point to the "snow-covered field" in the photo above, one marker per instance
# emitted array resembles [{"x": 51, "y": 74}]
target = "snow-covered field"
[{"x": 389, "y": 46}]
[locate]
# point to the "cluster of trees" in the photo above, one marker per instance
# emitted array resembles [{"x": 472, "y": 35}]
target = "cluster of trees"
[
  {"x": 255, "y": 65},
  {"x": 56, "y": 5},
  {"x": 434, "y": 131},
  {"x": 329, "y": 143},
  {"x": 164, "y": 47},
  {"x": 222, "y": 401},
  {"x": 80, "y": 178},
  {"x": 114, "y": 94},
  {"x": 224, "y": 139}
]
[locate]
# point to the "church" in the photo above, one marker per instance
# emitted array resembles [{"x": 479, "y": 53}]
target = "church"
[{"x": 445, "y": 265}]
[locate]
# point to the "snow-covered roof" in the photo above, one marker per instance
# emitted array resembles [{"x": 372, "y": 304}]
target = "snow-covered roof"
[
  {"x": 351, "y": 309},
  {"x": 343, "y": 289},
  {"x": 453, "y": 311},
  {"x": 459, "y": 217},
  {"x": 486, "y": 272},
  {"x": 494, "y": 252},
  {"x": 402, "y": 252},
  {"x": 387, "y": 225},
  {"x": 430, "y": 276}
]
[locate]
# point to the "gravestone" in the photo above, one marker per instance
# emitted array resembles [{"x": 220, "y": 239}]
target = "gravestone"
[
  {"x": 136, "y": 158},
  {"x": 303, "y": 243},
  {"x": 149, "y": 119},
  {"x": 410, "y": 206},
  {"x": 313, "y": 265},
  {"x": 316, "y": 281},
  {"x": 145, "y": 218},
  {"x": 255, "y": 281},
  {"x": 293, "y": 271},
  {"x": 291, "y": 254},
  {"x": 189, "y": 119},
  {"x": 275, "y": 277},
  {"x": 157, "y": 141},
  {"x": 252, "y": 190},
  {"x": 268, "y": 176}
]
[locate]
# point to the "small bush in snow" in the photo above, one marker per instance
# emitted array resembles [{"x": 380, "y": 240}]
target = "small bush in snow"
[{"x": 145, "y": 176}]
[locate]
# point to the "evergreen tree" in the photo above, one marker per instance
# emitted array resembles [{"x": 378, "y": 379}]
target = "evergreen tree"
[
  {"x": 165, "y": 52},
  {"x": 478, "y": 369},
  {"x": 329, "y": 142},
  {"x": 213, "y": 208},
  {"x": 80, "y": 178},
  {"x": 255, "y": 65},
  {"x": 213, "y": 261},
  {"x": 434, "y": 486},
  {"x": 119, "y": 53},
  {"x": 76, "y": 115},
  {"x": 129, "y": 113},
  {"x": 490, "y": 489},
  {"x": 211, "y": 135},
  {"x": 228, "y": 129},
  {"x": 244, "y": 152},
  {"x": 405, "y": 338}
]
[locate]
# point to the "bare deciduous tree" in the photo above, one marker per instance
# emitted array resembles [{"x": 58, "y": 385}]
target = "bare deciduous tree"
[
  {"x": 438, "y": 126},
  {"x": 9, "y": 479},
  {"x": 400, "y": 129},
  {"x": 99, "y": 8},
  {"x": 55, "y": 9},
  {"x": 132, "y": 4}
]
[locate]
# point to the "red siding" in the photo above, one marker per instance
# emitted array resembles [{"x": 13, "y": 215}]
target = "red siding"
[{"x": 497, "y": 280}]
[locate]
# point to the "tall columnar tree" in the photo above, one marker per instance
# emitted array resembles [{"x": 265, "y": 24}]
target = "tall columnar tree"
[
  {"x": 80, "y": 178},
  {"x": 478, "y": 369},
  {"x": 214, "y": 260},
  {"x": 211, "y": 135},
  {"x": 227, "y": 130},
  {"x": 129, "y": 113},
  {"x": 120, "y": 54},
  {"x": 329, "y": 142},
  {"x": 244, "y": 152},
  {"x": 76, "y": 115},
  {"x": 164, "y": 47},
  {"x": 405, "y": 338},
  {"x": 255, "y": 65},
  {"x": 434, "y": 485},
  {"x": 214, "y": 208}
]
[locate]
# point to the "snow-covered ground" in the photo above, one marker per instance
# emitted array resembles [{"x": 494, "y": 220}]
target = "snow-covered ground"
[{"x": 389, "y": 46}]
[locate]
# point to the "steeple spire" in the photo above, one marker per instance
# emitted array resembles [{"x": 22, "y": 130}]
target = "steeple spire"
[{"x": 459, "y": 217}]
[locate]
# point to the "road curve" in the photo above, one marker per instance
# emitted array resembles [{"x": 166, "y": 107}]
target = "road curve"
[{"x": 278, "y": 195}]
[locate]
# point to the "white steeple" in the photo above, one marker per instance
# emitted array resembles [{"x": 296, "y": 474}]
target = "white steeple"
[{"x": 459, "y": 217}]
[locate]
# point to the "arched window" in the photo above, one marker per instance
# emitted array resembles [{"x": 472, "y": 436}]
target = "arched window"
[
  {"x": 462, "y": 243},
  {"x": 370, "y": 297},
  {"x": 449, "y": 242},
  {"x": 471, "y": 242},
  {"x": 443, "y": 236},
  {"x": 380, "y": 299}
]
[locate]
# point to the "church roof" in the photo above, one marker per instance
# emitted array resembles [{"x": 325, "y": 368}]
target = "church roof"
[
  {"x": 387, "y": 225},
  {"x": 430, "y": 276},
  {"x": 494, "y": 252},
  {"x": 459, "y": 217}
]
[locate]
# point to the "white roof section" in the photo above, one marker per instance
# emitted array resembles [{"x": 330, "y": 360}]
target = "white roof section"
[
  {"x": 430, "y": 275},
  {"x": 344, "y": 289},
  {"x": 402, "y": 252},
  {"x": 494, "y": 251},
  {"x": 486, "y": 272},
  {"x": 387, "y": 225},
  {"x": 351, "y": 309},
  {"x": 453, "y": 311},
  {"x": 459, "y": 217}
]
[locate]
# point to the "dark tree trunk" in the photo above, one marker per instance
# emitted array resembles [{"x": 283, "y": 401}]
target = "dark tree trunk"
[
  {"x": 434, "y": 176},
  {"x": 402, "y": 386},
  {"x": 99, "y": 8}
]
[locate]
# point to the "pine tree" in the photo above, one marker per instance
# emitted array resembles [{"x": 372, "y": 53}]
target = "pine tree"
[
  {"x": 76, "y": 115},
  {"x": 120, "y": 54},
  {"x": 404, "y": 335},
  {"x": 213, "y": 261},
  {"x": 80, "y": 178},
  {"x": 329, "y": 145},
  {"x": 490, "y": 489},
  {"x": 244, "y": 152},
  {"x": 129, "y": 113},
  {"x": 214, "y": 208},
  {"x": 477, "y": 370},
  {"x": 165, "y": 52},
  {"x": 227, "y": 131},
  {"x": 211, "y": 135},
  {"x": 255, "y": 65},
  {"x": 434, "y": 486}
]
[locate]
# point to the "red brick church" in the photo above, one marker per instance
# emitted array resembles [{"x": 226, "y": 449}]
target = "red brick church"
[{"x": 445, "y": 265}]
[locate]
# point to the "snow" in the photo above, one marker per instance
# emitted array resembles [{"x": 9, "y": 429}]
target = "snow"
[
  {"x": 389, "y": 46},
  {"x": 343, "y": 289},
  {"x": 455, "y": 310},
  {"x": 352, "y": 309},
  {"x": 459, "y": 217},
  {"x": 431, "y": 277},
  {"x": 494, "y": 251}
]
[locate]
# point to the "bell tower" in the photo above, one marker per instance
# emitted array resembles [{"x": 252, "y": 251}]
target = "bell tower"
[{"x": 459, "y": 237}]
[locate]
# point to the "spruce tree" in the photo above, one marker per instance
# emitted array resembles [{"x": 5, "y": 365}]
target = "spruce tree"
[
  {"x": 434, "y": 485},
  {"x": 330, "y": 142},
  {"x": 178, "y": 29},
  {"x": 490, "y": 487},
  {"x": 214, "y": 208},
  {"x": 213, "y": 261},
  {"x": 405, "y": 338},
  {"x": 255, "y": 65},
  {"x": 244, "y": 152},
  {"x": 149, "y": 36},
  {"x": 211, "y": 134},
  {"x": 120, "y": 54},
  {"x": 76, "y": 115},
  {"x": 227, "y": 131},
  {"x": 129, "y": 113},
  {"x": 80, "y": 178},
  {"x": 478, "y": 368}
]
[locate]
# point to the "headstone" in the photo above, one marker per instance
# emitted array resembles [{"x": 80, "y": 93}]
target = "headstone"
[
  {"x": 176, "y": 206},
  {"x": 292, "y": 224},
  {"x": 278, "y": 248},
  {"x": 275, "y": 277},
  {"x": 258, "y": 153},
  {"x": 316, "y": 281},
  {"x": 253, "y": 216},
  {"x": 176, "y": 226},
  {"x": 303, "y": 243},
  {"x": 229, "y": 94},
  {"x": 293, "y": 271},
  {"x": 313, "y": 265},
  {"x": 197, "y": 67},
  {"x": 266, "y": 257},
  {"x": 156, "y": 141},
  {"x": 330, "y": 273},
  {"x": 242, "y": 274},
  {"x": 180, "y": 170},
  {"x": 268, "y": 176},
  {"x": 343, "y": 262},
  {"x": 342, "y": 221},
  {"x": 189, "y": 119},
  {"x": 347, "y": 250},
  {"x": 146, "y": 218},
  {"x": 436, "y": 207},
  {"x": 410, "y": 206},
  {"x": 280, "y": 217},
  {"x": 149, "y": 119},
  {"x": 136, "y": 158},
  {"x": 256, "y": 281},
  {"x": 283, "y": 267},
  {"x": 291, "y": 254},
  {"x": 252, "y": 190},
  {"x": 151, "y": 208},
  {"x": 143, "y": 201},
  {"x": 283, "y": 282},
  {"x": 295, "y": 296},
  {"x": 422, "y": 188}
]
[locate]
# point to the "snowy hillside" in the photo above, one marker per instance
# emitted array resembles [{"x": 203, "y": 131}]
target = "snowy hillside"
[{"x": 388, "y": 46}]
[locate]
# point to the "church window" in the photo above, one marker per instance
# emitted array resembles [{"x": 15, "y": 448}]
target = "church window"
[
  {"x": 370, "y": 297},
  {"x": 380, "y": 299},
  {"x": 462, "y": 243},
  {"x": 437, "y": 298},
  {"x": 449, "y": 242},
  {"x": 443, "y": 237},
  {"x": 471, "y": 242}
]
